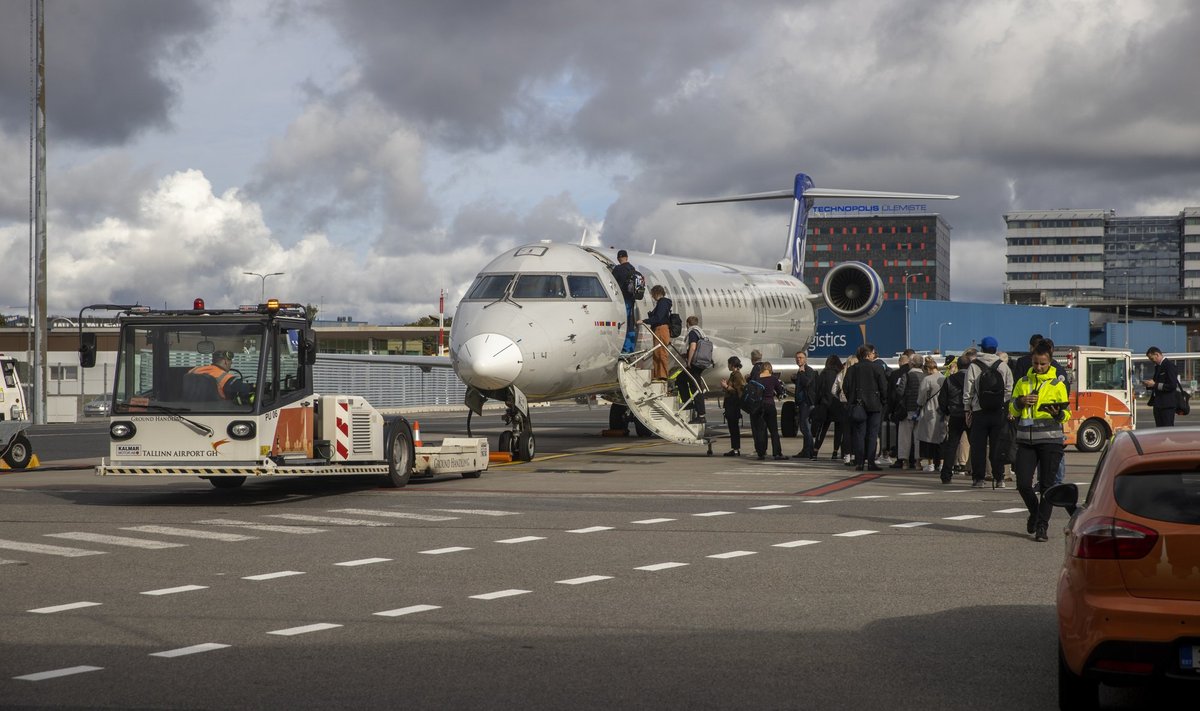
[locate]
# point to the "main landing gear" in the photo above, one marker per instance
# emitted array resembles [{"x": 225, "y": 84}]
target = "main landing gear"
[{"x": 519, "y": 440}]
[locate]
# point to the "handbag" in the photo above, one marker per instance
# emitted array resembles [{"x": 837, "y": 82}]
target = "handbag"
[
  {"x": 1183, "y": 404},
  {"x": 858, "y": 413},
  {"x": 1007, "y": 451}
]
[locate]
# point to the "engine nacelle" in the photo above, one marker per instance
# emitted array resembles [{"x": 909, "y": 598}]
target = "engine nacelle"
[{"x": 853, "y": 291}]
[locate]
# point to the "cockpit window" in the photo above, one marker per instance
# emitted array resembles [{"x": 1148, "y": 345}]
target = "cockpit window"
[
  {"x": 489, "y": 286},
  {"x": 539, "y": 286},
  {"x": 586, "y": 287}
]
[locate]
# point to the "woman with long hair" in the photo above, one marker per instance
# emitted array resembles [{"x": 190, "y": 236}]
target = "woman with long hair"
[{"x": 834, "y": 412}]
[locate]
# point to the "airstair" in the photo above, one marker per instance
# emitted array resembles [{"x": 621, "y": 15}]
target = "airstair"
[{"x": 652, "y": 402}]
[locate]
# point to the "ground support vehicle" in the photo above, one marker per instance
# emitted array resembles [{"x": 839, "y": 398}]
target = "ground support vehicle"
[
  {"x": 227, "y": 394},
  {"x": 15, "y": 450},
  {"x": 1102, "y": 400}
]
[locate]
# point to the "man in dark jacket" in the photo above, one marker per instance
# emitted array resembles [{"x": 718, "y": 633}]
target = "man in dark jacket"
[
  {"x": 805, "y": 382},
  {"x": 866, "y": 384},
  {"x": 1163, "y": 387},
  {"x": 950, "y": 403},
  {"x": 623, "y": 274}
]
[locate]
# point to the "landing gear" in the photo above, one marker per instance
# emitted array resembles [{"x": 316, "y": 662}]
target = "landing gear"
[
  {"x": 519, "y": 440},
  {"x": 506, "y": 442},
  {"x": 526, "y": 447}
]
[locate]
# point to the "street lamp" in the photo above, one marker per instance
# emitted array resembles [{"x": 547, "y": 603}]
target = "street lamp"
[
  {"x": 1126, "y": 275},
  {"x": 1174, "y": 336},
  {"x": 263, "y": 297},
  {"x": 948, "y": 323},
  {"x": 1051, "y": 331},
  {"x": 906, "y": 328}
]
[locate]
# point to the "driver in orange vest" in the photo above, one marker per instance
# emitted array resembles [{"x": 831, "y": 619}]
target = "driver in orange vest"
[{"x": 226, "y": 385}]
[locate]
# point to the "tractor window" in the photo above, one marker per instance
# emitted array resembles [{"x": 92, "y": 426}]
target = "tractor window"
[
  {"x": 291, "y": 376},
  {"x": 1106, "y": 374}
]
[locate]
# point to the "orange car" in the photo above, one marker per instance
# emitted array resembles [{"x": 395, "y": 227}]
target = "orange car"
[{"x": 1129, "y": 591}]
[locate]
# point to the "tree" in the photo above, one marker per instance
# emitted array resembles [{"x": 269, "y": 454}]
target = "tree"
[{"x": 310, "y": 311}]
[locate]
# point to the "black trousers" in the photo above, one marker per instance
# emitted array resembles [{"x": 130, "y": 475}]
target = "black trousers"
[
  {"x": 956, "y": 425},
  {"x": 769, "y": 420},
  {"x": 986, "y": 428},
  {"x": 835, "y": 414},
  {"x": 1043, "y": 458},
  {"x": 866, "y": 439},
  {"x": 686, "y": 388},
  {"x": 733, "y": 416},
  {"x": 1164, "y": 417}
]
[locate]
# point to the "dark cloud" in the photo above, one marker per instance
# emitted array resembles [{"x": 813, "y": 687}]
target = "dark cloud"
[{"x": 105, "y": 64}]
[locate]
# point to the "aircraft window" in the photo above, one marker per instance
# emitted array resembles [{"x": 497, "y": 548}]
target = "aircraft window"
[
  {"x": 586, "y": 287},
  {"x": 489, "y": 286},
  {"x": 539, "y": 286}
]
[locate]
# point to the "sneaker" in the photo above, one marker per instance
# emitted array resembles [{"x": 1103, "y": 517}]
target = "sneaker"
[
  {"x": 847, "y": 459},
  {"x": 835, "y": 457},
  {"x": 1031, "y": 524},
  {"x": 733, "y": 453},
  {"x": 1041, "y": 536},
  {"x": 929, "y": 467},
  {"x": 1000, "y": 484},
  {"x": 780, "y": 457},
  {"x": 977, "y": 484},
  {"x": 1037, "y": 489}
]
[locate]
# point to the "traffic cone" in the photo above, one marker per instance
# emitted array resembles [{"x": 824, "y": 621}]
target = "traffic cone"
[{"x": 416, "y": 433}]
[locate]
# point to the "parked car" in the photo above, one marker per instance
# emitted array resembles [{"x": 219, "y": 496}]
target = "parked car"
[
  {"x": 97, "y": 408},
  {"x": 1129, "y": 590}
]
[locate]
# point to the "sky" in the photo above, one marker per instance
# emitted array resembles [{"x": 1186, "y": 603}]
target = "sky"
[{"x": 379, "y": 151}]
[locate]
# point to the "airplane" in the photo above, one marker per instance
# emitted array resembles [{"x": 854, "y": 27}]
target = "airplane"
[{"x": 546, "y": 321}]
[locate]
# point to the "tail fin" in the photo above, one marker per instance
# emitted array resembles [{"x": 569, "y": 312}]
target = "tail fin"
[{"x": 803, "y": 193}]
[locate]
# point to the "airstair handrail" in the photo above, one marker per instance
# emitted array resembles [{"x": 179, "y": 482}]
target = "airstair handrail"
[{"x": 698, "y": 384}]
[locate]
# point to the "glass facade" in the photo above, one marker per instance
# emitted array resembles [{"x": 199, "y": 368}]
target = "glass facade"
[{"x": 1142, "y": 258}]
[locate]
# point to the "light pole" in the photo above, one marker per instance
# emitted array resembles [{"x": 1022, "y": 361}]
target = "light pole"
[
  {"x": 948, "y": 323},
  {"x": 1050, "y": 333},
  {"x": 1126, "y": 275},
  {"x": 906, "y": 328},
  {"x": 1174, "y": 336},
  {"x": 263, "y": 297}
]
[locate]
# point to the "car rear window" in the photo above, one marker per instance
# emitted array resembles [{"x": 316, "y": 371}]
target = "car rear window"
[{"x": 1162, "y": 496}]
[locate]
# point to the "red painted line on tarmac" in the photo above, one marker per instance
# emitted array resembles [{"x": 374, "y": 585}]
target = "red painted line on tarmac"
[{"x": 840, "y": 485}]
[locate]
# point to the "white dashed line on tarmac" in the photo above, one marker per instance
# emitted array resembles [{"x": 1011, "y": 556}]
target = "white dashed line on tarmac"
[
  {"x": 499, "y": 594},
  {"x": 440, "y": 551},
  {"x": 260, "y": 526},
  {"x": 362, "y": 561},
  {"x": 115, "y": 540},
  {"x": 68, "y": 671},
  {"x": 394, "y": 514},
  {"x": 911, "y": 524},
  {"x": 63, "y": 608},
  {"x": 916, "y": 493},
  {"x": 1011, "y": 511},
  {"x": 964, "y": 517},
  {"x": 819, "y": 501},
  {"x": 410, "y": 610},
  {"x": 876, "y": 496},
  {"x": 661, "y": 566},
  {"x": 584, "y": 580},
  {"x": 855, "y": 534},
  {"x": 715, "y": 513},
  {"x": 591, "y": 529},
  {"x": 272, "y": 576},
  {"x": 190, "y": 533},
  {"x": 479, "y": 512},
  {"x": 794, "y": 544},
  {"x": 173, "y": 591},
  {"x": 194, "y": 649},
  {"x": 653, "y": 520},
  {"x": 732, "y": 554},
  {"x": 522, "y": 539},
  {"x": 769, "y": 507},
  {"x": 292, "y": 631},
  {"x": 329, "y": 519},
  {"x": 48, "y": 549}
]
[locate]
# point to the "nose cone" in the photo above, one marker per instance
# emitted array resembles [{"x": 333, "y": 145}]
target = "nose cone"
[{"x": 489, "y": 361}]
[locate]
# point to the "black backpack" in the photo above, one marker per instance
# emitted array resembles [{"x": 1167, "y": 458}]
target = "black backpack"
[
  {"x": 989, "y": 386},
  {"x": 752, "y": 396},
  {"x": 635, "y": 286},
  {"x": 675, "y": 324}
]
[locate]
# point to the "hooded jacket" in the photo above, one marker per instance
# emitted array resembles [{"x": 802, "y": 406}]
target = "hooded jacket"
[{"x": 983, "y": 361}]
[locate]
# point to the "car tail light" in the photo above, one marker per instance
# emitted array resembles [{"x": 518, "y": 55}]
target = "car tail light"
[{"x": 1114, "y": 539}]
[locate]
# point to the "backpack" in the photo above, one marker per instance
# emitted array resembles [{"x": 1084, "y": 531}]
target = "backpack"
[
  {"x": 635, "y": 286},
  {"x": 675, "y": 324},
  {"x": 703, "y": 357},
  {"x": 989, "y": 386},
  {"x": 752, "y": 396}
]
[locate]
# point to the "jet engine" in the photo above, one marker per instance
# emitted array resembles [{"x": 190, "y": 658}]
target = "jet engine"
[{"x": 853, "y": 291}]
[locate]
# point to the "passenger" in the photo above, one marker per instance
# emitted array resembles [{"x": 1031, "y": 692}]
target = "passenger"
[
  {"x": 694, "y": 334},
  {"x": 207, "y": 383},
  {"x": 757, "y": 426},
  {"x": 805, "y": 383},
  {"x": 770, "y": 417},
  {"x": 867, "y": 386},
  {"x": 1039, "y": 406},
  {"x": 931, "y": 427},
  {"x": 659, "y": 320},
  {"x": 839, "y": 388},
  {"x": 985, "y": 401},
  {"x": 894, "y": 412},
  {"x": 1163, "y": 388},
  {"x": 733, "y": 387},
  {"x": 829, "y": 410},
  {"x": 625, "y": 273},
  {"x": 908, "y": 411},
  {"x": 950, "y": 404}
]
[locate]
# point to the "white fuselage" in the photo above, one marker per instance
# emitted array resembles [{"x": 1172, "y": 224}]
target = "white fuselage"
[{"x": 563, "y": 342}]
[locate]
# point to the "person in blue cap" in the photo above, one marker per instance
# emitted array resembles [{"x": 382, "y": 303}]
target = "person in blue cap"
[{"x": 986, "y": 391}]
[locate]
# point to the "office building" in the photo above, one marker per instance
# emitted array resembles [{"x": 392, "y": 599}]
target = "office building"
[{"x": 893, "y": 245}]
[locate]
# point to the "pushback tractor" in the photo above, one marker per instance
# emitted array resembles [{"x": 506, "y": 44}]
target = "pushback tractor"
[
  {"x": 228, "y": 394},
  {"x": 15, "y": 450}
]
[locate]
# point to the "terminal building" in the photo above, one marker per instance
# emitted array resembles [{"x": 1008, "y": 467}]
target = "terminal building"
[{"x": 907, "y": 250}]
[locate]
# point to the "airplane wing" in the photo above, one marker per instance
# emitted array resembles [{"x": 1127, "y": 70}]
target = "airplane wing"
[{"x": 425, "y": 363}]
